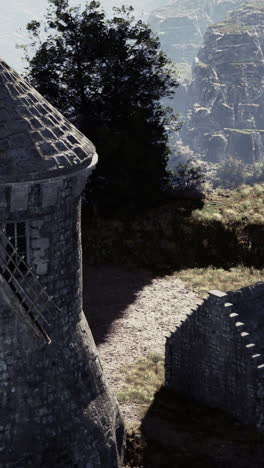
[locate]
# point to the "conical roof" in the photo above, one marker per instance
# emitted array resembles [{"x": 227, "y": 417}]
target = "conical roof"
[{"x": 36, "y": 141}]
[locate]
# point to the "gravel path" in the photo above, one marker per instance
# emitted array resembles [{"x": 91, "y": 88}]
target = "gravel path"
[{"x": 130, "y": 313}]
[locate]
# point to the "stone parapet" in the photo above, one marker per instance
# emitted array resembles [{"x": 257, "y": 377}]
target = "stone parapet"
[
  {"x": 215, "y": 356},
  {"x": 25, "y": 199}
]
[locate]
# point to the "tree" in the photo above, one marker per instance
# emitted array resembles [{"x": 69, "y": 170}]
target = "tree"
[
  {"x": 231, "y": 173},
  {"x": 107, "y": 77},
  {"x": 186, "y": 180}
]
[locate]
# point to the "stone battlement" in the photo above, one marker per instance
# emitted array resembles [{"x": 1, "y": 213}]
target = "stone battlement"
[{"x": 216, "y": 356}]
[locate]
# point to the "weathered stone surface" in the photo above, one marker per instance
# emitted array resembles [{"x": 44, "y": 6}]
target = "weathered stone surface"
[
  {"x": 181, "y": 25},
  {"x": 225, "y": 97},
  {"x": 29, "y": 132},
  {"x": 216, "y": 356},
  {"x": 55, "y": 406}
]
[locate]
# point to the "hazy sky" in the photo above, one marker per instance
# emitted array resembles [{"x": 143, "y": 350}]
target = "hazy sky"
[{"x": 15, "y": 14}]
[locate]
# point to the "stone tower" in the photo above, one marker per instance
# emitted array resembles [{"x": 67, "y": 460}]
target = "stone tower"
[{"x": 56, "y": 409}]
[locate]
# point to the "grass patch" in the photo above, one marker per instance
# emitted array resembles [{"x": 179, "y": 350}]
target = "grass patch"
[
  {"x": 203, "y": 280},
  {"x": 142, "y": 380},
  {"x": 243, "y": 205},
  {"x": 185, "y": 70},
  {"x": 225, "y": 229},
  {"x": 202, "y": 64},
  {"x": 257, "y": 5},
  {"x": 232, "y": 27},
  {"x": 178, "y": 432},
  {"x": 244, "y": 131}
]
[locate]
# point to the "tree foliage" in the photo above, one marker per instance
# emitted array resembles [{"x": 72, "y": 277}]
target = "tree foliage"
[
  {"x": 231, "y": 173},
  {"x": 108, "y": 77},
  {"x": 186, "y": 178}
]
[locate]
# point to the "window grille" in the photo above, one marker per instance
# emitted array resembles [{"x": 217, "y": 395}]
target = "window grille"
[
  {"x": 21, "y": 279},
  {"x": 16, "y": 233}
]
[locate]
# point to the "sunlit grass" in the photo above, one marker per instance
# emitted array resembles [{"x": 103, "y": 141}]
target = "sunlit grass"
[
  {"x": 203, "y": 280},
  {"x": 142, "y": 380},
  {"x": 245, "y": 205},
  {"x": 244, "y": 191}
]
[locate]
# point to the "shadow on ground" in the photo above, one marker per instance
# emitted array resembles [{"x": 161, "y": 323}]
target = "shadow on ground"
[
  {"x": 107, "y": 291},
  {"x": 179, "y": 433}
]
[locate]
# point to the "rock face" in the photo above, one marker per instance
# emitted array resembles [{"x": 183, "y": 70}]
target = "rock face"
[
  {"x": 225, "y": 98},
  {"x": 181, "y": 25}
]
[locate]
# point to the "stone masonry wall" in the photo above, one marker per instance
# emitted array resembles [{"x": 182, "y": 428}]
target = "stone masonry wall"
[
  {"x": 51, "y": 211},
  {"x": 215, "y": 357},
  {"x": 56, "y": 408}
]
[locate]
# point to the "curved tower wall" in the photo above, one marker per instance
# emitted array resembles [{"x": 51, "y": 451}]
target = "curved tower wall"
[{"x": 56, "y": 408}]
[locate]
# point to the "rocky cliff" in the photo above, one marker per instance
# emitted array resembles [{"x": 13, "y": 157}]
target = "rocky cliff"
[
  {"x": 225, "y": 98},
  {"x": 181, "y": 25}
]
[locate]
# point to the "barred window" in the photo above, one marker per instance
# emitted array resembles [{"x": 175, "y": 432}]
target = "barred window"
[{"x": 16, "y": 232}]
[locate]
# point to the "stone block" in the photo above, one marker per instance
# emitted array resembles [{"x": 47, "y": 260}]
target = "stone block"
[
  {"x": 19, "y": 197},
  {"x": 33, "y": 374},
  {"x": 49, "y": 192},
  {"x": 217, "y": 294},
  {"x": 41, "y": 244}
]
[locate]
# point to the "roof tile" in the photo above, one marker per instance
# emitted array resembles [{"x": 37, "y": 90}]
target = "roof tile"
[{"x": 36, "y": 141}]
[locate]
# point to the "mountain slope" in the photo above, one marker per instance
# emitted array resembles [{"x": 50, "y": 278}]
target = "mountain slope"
[
  {"x": 225, "y": 98},
  {"x": 181, "y": 25}
]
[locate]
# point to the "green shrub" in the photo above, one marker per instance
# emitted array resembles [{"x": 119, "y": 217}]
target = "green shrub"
[
  {"x": 231, "y": 173},
  {"x": 186, "y": 176}
]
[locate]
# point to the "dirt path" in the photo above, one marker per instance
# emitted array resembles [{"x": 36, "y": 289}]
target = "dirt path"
[{"x": 131, "y": 313}]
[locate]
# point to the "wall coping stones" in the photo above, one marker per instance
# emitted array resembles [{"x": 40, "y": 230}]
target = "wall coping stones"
[
  {"x": 217, "y": 354},
  {"x": 217, "y": 293}
]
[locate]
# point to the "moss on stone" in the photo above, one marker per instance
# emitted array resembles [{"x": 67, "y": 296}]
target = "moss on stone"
[
  {"x": 184, "y": 70},
  {"x": 255, "y": 5},
  {"x": 243, "y": 131},
  {"x": 241, "y": 64},
  {"x": 213, "y": 83},
  {"x": 249, "y": 105},
  {"x": 202, "y": 64},
  {"x": 232, "y": 27}
]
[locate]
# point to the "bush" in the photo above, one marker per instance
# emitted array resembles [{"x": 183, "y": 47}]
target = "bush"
[
  {"x": 186, "y": 177},
  {"x": 255, "y": 173},
  {"x": 231, "y": 173}
]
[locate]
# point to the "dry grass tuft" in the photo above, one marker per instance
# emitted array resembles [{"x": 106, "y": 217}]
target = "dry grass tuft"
[
  {"x": 203, "y": 280},
  {"x": 245, "y": 205},
  {"x": 142, "y": 380}
]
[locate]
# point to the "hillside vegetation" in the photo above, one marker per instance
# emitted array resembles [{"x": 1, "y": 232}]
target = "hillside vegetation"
[
  {"x": 245, "y": 205},
  {"x": 225, "y": 230}
]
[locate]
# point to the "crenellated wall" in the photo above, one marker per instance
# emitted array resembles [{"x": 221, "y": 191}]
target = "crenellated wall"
[{"x": 216, "y": 356}]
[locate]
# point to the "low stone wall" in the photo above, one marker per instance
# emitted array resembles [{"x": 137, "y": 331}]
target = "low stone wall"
[
  {"x": 215, "y": 356},
  {"x": 158, "y": 238}
]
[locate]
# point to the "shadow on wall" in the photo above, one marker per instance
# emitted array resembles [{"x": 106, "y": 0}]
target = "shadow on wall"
[
  {"x": 107, "y": 291},
  {"x": 181, "y": 433},
  {"x": 167, "y": 238}
]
